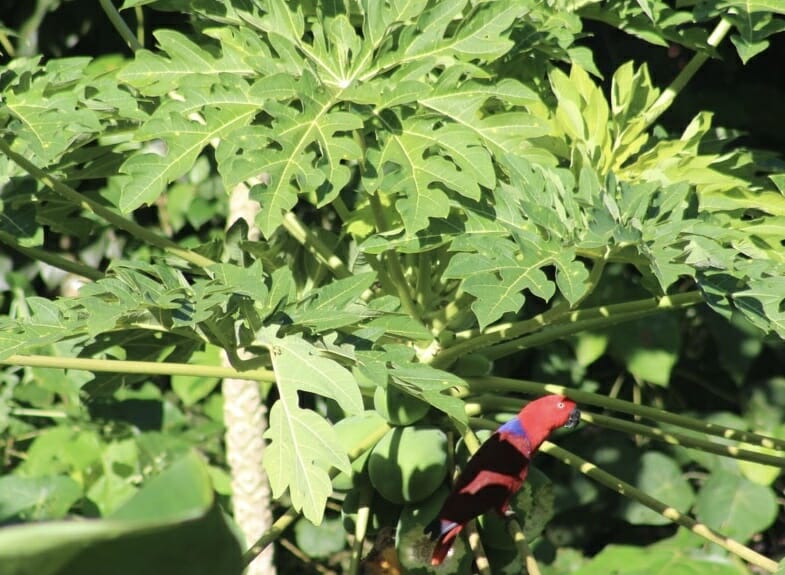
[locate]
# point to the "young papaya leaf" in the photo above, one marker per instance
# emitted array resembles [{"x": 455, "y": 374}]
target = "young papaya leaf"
[
  {"x": 155, "y": 74},
  {"x": 430, "y": 385},
  {"x": 303, "y": 445}
]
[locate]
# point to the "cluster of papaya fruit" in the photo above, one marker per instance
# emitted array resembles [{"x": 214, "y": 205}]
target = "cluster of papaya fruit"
[{"x": 404, "y": 480}]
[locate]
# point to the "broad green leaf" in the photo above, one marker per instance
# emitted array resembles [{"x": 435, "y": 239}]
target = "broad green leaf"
[
  {"x": 497, "y": 278},
  {"x": 156, "y": 75},
  {"x": 421, "y": 174},
  {"x": 632, "y": 560},
  {"x": 299, "y": 366},
  {"x": 303, "y": 151},
  {"x": 119, "y": 461},
  {"x": 735, "y": 506},
  {"x": 752, "y": 6},
  {"x": 61, "y": 450},
  {"x": 759, "y": 473},
  {"x": 668, "y": 25},
  {"x": 762, "y": 303},
  {"x": 242, "y": 280},
  {"x": 659, "y": 476},
  {"x": 303, "y": 447},
  {"x": 428, "y": 33},
  {"x": 323, "y": 540},
  {"x": 339, "y": 293},
  {"x": 754, "y": 28},
  {"x": 46, "y": 104},
  {"x": 483, "y": 36},
  {"x": 430, "y": 385},
  {"x": 438, "y": 233},
  {"x": 335, "y": 305},
  {"x": 402, "y": 326},
  {"x": 37, "y": 498},
  {"x": 507, "y": 132},
  {"x": 590, "y": 346},
  {"x": 46, "y": 324},
  {"x": 153, "y": 531},
  {"x": 648, "y": 348},
  {"x": 183, "y": 140}
]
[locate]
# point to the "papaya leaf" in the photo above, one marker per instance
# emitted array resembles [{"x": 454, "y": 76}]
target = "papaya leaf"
[{"x": 303, "y": 446}]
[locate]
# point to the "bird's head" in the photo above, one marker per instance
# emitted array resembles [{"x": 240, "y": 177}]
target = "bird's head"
[{"x": 550, "y": 412}]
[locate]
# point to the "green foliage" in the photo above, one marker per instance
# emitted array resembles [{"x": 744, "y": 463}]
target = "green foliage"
[
  {"x": 152, "y": 530},
  {"x": 441, "y": 192},
  {"x": 679, "y": 554}
]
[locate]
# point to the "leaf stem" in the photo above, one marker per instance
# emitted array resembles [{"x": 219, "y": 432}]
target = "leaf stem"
[
  {"x": 595, "y": 318},
  {"x": 679, "y": 82},
  {"x": 102, "y": 211},
  {"x": 311, "y": 242},
  {"x": 481, "y": 558},
  {"x": 120, "y": 25},
  {"x": 31, "y": 412},
  {"x": 361, "y": 527},
  {"x": 394, "y": 269},
  {"x": 51, "y": 258},
  {"x": 676, "y": 438},
  {"x": 556, "y": 323},
  {"x": 490, "y": 384},
  {"x": 614, "y": 483},
  {"x": 341, "y": 209},
  {"x": 137, "y": 367},
  {"x": 273, "y": 533},
  {"x": 475, "y": 544},
  {"x": 524, "y": 551}
]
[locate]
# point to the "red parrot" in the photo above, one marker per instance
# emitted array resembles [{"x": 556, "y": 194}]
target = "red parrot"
[{"x": 498, "y": 468}]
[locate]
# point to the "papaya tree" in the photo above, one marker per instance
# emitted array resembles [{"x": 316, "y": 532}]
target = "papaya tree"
[{"x": 395, "y": 222}]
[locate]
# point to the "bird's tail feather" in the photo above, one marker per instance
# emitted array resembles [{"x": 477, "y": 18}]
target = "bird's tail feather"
[{"x": 447, "y": 532}]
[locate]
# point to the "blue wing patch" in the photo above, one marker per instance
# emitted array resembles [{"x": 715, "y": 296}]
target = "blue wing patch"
[{"x": 513, "y": 427}]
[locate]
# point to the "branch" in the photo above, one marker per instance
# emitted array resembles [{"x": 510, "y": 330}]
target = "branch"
[
  {"x": 311, "y": 242},
  {"x": 51, "y": 258},
  {"x": 679, "y": 82},
  {"x": 108, "y": 215}
]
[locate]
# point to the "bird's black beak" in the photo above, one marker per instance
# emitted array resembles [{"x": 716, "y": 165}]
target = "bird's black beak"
[{"x": 573, "y": 419}]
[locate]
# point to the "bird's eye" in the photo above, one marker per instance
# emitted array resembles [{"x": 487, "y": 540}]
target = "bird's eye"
[{"x": 560, "y": 405}]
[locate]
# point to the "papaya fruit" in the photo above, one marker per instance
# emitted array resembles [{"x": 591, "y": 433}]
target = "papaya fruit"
[{"x": 409, "y": 463}]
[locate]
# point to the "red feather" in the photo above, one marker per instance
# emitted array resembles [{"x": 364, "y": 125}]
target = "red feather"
[{"x": 498, "y": 468}]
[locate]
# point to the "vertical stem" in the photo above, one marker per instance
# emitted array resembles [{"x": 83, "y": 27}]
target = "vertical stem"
[
  {"x": 315, "y": 246},
  {"x": 246, "y": 421},
  {"x": 361, "y": 527},
  {"x": 523, "y": 547},
  {"x": 120, "y": 25},
  {"x": 245, "y": 418},
  {"x": 394, "y": 265}
]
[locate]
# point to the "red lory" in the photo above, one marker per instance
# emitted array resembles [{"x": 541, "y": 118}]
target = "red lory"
[{"x": 498, "y": 468}]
